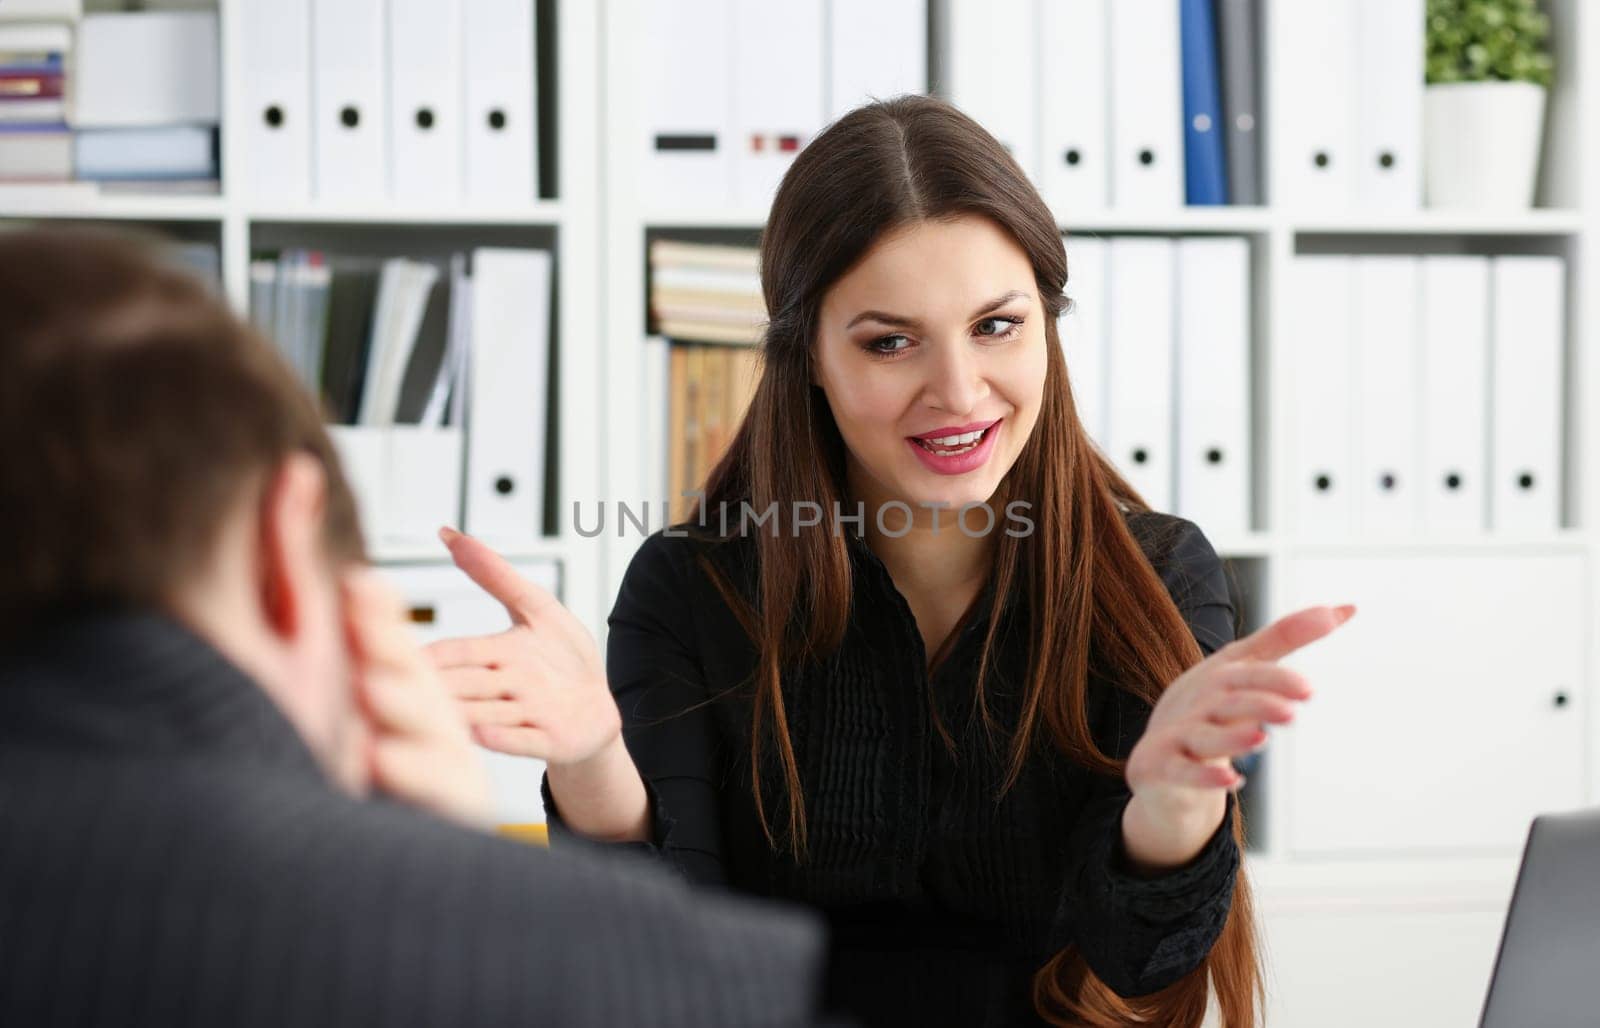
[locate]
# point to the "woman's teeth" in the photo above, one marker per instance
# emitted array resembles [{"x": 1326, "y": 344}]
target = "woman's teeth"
[{"x": 953, "y": 445}]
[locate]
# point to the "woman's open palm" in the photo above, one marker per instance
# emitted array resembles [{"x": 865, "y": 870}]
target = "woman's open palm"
[{"x": 539, "y": 688}]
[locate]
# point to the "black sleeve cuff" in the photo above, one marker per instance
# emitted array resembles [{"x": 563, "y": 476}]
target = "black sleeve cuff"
[
  {"x": 1176, "y": 895},
  {"x": 656, "y": 847}
]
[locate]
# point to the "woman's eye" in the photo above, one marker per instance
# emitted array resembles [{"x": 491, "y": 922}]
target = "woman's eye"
[
  {"x": 889, "y": 344},
  {"x": 997, "y": 326}
]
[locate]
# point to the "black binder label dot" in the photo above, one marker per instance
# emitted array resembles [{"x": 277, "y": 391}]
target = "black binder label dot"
[
  {"x": 1147, "y": 157},
  {"x": 497, "y": 119},
  {"x": 1321, "y": 159},
  {"x": 1141, "y": 455},
  {"x": 273, "y": 116},
  {"x": 1324, "y": 483},
  {"x": 1386, "y": 160},
  {"x": 1452, "y": 481},
  {"x": 504, "y": 485},
  {"x": 349, "y": 117},
  {"x": 1387, "y": 481},
  {"x": 1561, "y": 699},
  {"x": 1074, "y": 158},
  {"x": 1213, "y": 456},
  {"x": 424, "y": 118}
]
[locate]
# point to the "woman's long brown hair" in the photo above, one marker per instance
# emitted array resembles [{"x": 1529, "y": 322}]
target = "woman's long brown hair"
[{"x": 1083, "y": 574}]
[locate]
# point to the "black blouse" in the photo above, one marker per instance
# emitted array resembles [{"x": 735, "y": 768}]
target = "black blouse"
[{"x": 942, "y": 901}]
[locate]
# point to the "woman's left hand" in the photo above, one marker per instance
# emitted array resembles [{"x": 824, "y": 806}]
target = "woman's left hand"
[{"x": 1181, "y": 768}]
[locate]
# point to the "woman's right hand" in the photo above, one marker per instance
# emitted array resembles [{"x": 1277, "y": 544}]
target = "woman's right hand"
[{"x": 537, "y": 689}]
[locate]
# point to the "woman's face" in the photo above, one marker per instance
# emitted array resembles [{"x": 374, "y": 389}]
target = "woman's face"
[{"x": 931, "y": 351}]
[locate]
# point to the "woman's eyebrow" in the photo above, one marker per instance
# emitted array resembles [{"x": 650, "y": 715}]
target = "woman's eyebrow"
[{"x": 899, "y": 321}]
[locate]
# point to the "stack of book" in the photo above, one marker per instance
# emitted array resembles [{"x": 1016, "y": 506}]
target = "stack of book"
[
  {"x": 148, "y": 100},
  {"x": 706, "y": 293},
  {"x": 708, "y": 315},
  {"x": 35, "y": 142}
]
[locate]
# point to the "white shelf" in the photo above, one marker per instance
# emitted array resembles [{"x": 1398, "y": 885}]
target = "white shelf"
[
  {"x": 542, "y": 212},
  {"x": 1534, "y": 222},
  {"x": 83, "y": 200},
  {"x": 1233, "y": 220},
  {"x": 733, "y": 217},
  {"x": 1477, "y": 543}
]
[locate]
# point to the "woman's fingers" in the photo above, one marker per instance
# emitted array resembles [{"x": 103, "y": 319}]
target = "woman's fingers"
[
  {"x": 525, "y": 601},
  {"x": 476, "y": 683},
  {"x": 1206, "y": 741},
  {"x": 1252, "y": 705},
  {"x": 1287, "y": 634},
  {"x": 469, "y": 651},
  {"x": 495, "y": 712},
  {"x": 517, "y": 741},
  {"x": 1179, "y": 770},
  {"x": 1263, "y": 676}
]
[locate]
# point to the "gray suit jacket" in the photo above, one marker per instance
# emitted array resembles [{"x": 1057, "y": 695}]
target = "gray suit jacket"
[{"x": 171, "y": 854}]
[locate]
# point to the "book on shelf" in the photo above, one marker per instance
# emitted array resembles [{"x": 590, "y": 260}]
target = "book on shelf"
[
  {"x": 706, "y": 292},
  {"x": 35, "y": 139},
  {"x": 709, "y": 390}
]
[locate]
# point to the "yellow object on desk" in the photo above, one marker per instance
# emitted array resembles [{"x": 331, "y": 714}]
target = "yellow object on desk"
[{"x": 538, "y": 835}]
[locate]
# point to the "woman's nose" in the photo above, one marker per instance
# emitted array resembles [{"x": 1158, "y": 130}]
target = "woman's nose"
[{"x": 955, "y": 380}]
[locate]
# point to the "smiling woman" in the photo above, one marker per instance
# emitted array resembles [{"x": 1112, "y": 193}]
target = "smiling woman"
[{"x": 997, "y": 760}]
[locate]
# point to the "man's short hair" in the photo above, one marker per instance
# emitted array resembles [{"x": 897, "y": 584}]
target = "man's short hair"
[{"x": 136, "y": 414}]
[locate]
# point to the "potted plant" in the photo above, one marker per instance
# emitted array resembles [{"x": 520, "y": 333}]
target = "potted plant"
[{"x": 1488, "y": 72}]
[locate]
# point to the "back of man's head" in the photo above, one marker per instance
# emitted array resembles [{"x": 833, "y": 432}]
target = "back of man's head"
[{"x": 136, "y": 413}]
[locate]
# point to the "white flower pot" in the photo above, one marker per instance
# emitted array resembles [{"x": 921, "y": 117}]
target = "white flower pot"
[{"x": 1481, "y": 143}]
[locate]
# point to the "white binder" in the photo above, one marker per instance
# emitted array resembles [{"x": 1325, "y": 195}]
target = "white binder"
[
  {"x": 1139, "y": 424},
  {"x": 1313, "y": 120},
  {"x": 1455, "y": 396},
  {"x": 364, "y": 457},
  {"x": 422, "y": 482},
  {"x": 1147, "y": 162},
  {"x": 991, "y": 73},
  {"x": 875, "y": 51},
  {"x": 1320, "y": 454},
  {"x": 277, "y": 98},
  {"x": 777, "y": 92},
  {"x": 146, "y": 68},
  {"x": 509, "y": 373},
  {"x": 348, "y": 90},
  {"x": 1213, "y": 375},
  {"x": 1083, "y": 330},
  {"x": 502, "y": 141},
  {"x": 1074, "y": 105},
  {"x": 444, "y": 603},
  {"x": 426, "y": 140},
  {"x": 1388, "y": 340},
  {"x": 1527, "y": 341},
  {"x": 1388, "y": 119},
  {"x": 688, "y": 144}
]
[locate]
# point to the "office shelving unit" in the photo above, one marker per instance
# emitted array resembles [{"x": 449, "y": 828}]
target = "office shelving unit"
[{"x": 239, "y": 224}]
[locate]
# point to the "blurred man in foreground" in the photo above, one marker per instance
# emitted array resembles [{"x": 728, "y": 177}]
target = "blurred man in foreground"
[{"x": 210, "y": 713}]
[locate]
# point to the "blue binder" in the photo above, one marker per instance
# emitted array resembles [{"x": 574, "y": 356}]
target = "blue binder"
[{"x": 1205, "y": 171}]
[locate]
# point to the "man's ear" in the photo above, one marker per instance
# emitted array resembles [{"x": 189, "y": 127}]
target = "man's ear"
[{"x": 292, "y": 511}]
